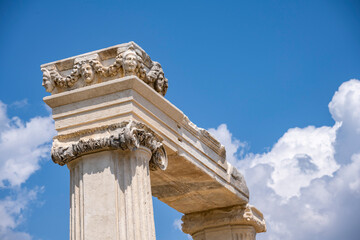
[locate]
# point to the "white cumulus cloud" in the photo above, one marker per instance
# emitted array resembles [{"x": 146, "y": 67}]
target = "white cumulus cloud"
[
  {"x": 308, "y": 184},
  {"x": 23, "y": 145},
  {"x": 12, "y": 210}
]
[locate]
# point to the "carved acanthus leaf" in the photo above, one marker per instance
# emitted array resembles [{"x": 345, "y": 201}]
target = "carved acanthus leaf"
[{"x": 127, "y": 135}]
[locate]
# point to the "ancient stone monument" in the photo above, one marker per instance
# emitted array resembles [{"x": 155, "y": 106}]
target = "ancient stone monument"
[{"x": 123, "y": 142}]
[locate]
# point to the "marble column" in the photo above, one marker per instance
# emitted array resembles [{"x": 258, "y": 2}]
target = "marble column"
[
  {"x": 110, "y": 190},
  {"x": 231, "y": 223}
]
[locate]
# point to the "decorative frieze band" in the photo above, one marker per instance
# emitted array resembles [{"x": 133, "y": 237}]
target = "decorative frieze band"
[
  {"x": 130, "y": 60},
  {"x": 127, "y": 135},
  {"x": 236, "y": 215}
]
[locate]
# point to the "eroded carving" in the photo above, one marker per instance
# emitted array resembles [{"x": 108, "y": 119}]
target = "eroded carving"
[
  {"x": 156, "y": 78},
  {"x": 128, "y": 135},
  {"x": 67, "y": 81},
  {"x": 236, "y": 215},
  {"x": 48, "y": 82},
  {"x": 237, "y": 179},
  {"x": 87, "y": 72},
  {"x": 109, "y": 71},
  {"x": 129, "y": 61},
  {"x": 205, "y": 136}
]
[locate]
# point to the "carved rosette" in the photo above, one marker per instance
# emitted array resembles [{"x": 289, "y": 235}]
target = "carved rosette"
[
  {"x": 127, "y": 135},
  {"x": 236, "y": 215},
  {"x": 130, "y": 60}
]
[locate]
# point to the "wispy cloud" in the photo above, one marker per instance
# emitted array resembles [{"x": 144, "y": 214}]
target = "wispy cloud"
[
  {"x": 177, "y": 224},
  {"x": 19, "y": 104}
]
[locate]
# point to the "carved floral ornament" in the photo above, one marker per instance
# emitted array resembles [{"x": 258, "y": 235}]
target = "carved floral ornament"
[
  {"x": 127, "y": 135},
  {"x": 88, "y": 70}
]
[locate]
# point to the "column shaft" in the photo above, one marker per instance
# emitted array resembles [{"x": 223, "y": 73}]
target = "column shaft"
[{"x": 111, "y": 196}]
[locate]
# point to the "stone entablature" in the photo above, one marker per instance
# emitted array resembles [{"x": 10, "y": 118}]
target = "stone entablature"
[
  {"x": 196, "y": 159},
  {"x": 127, "y": 135},
  {"x": 122, "y": 60}
]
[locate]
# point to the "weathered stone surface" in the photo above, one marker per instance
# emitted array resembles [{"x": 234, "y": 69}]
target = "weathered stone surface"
[
  {"x": 110, "y": 196},
  {"x": 127, "y": 135},
  {"x": 126, "y": 59},
  {"x": 228, "y": 232},
  {"x": 114, "y": 125},
  {"x": 196, "y": 159},
  {"x": 231, "y": 223}
]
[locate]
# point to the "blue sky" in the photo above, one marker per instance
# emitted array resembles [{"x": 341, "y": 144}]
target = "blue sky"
[{"x": 259, "y": 74}]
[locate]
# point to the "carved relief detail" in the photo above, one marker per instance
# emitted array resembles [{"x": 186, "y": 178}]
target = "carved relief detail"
[
  {"x": 156, "y": 79},
  {"x": 128, "y": 62},
  {"x": 236, "y": 215},
  {"x": 127, "y": 135},
  {"x": 237, "y": 179},
  {"x": 205, "y": 136}
]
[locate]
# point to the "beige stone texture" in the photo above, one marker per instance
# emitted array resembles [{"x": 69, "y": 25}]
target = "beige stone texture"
[
  {"x": 127, "y": 59},
  {"x": 228, "y": 232},
  {"x": 123, "y": 142},
  {"x": 110, "y": 196},
  {"x": 231, "y": 223},
  {"x": 197, "y": 171}
]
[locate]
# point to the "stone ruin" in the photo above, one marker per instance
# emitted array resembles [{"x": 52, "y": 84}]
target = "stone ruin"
[{"x": 123, "y": 143}]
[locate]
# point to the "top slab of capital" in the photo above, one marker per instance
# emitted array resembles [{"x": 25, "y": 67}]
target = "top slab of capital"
[{"x": 127, "y": 59}]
